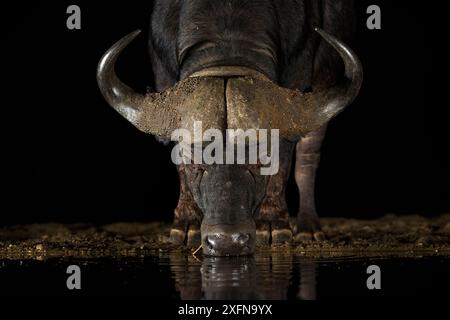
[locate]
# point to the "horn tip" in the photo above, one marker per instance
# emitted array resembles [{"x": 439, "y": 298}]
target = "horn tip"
[
  {"x": 132, "y": 35},
  {"x": 136, "y": 32},
  {"x": 129, "y": 37}
]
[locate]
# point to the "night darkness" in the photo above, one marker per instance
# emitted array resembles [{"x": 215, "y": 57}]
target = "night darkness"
[{"x": 70, "y": 157}]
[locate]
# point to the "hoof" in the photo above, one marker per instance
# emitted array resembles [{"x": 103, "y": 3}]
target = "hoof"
[
  {"x": 262, "y": 234},
  {"x": 177, "y": 236},
  {"x": 275, "y": 232},
  {"x": 184, "y": 233},
  {"x": 281, "y": 236},
  {"x": 262, "y": 238},
  {"x": 309, "y": 236},
  {"x": 194, "y": 238},
  {"x": 319, "y": 236}
]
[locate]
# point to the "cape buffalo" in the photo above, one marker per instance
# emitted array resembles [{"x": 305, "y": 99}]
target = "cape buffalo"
[{"x": 243, "y": 64}]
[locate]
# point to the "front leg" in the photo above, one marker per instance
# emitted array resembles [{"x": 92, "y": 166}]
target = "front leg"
[
  {"x": 188, "y": 216},
  {"x": 307, "y": 161},
  {"x": 272, "y": 220}
]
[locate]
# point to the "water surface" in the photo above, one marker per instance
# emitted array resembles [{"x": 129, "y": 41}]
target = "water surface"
[{"x": 265, "y": 276}]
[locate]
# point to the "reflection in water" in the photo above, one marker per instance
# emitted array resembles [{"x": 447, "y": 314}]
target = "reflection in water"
[
  {"x": 268, "y": 277},
  {"x": 307, "y": 286}
]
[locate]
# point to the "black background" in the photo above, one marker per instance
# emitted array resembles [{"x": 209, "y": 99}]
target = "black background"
[{"x": 70, "y": 157}]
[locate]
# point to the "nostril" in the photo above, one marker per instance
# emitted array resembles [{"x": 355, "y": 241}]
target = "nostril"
[
  {"x": 211, "y": 241},
  {"x": 240, "y": 238},
  {"x": 215, "y": 240}
]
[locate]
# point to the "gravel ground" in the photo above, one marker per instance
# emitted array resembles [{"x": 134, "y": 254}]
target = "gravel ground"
[{"x": 400, "y": 236}]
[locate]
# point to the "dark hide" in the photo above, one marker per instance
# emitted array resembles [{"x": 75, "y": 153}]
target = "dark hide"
[{"x": 284, "y": 28}]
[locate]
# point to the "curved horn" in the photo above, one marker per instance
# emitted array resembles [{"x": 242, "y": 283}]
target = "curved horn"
[
  {"x": 255, "y": 103},
  {"x": 121, "y": 97},
  {"x": 337, "y": 98},
  {"x": 191, "y": 100}
]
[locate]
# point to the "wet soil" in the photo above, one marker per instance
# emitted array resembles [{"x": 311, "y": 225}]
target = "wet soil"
[{"x": 391, "y": 235}]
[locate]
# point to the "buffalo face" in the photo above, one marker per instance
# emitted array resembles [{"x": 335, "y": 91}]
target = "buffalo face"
[{"x": 229, "y": 196}]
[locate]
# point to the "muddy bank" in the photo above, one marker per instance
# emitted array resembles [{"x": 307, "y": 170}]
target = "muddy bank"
[{"x": 411, "y": 236}]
